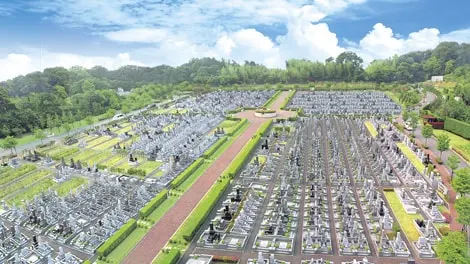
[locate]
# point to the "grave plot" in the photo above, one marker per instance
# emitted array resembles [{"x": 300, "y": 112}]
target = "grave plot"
[
  {"x": 262, "y": 259},
  {"x": 221, "y": 102},
  {"x": 352, "y": 238},
  {"x": 344, "y": 103},
  {"x": 317, "y": 261},
  {"x": 316, "y": 231},
  {"x": 419, "y": 193},
  {"x": 373, "y": 158}
]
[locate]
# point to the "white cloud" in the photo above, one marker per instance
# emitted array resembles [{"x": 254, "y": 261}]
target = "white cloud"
[
  {"x": 20, "y": 64},
  {"x": 143, "y": 35},
  {"x": 381, "y": 42}
]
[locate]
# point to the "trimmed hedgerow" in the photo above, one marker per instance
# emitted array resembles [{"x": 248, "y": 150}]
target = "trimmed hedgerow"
[
  {"x": 119, "y": 236},
  {"x": 286, "y": 101},
  {"x": 271, "y": 100},
  {"x": 238, "y": 127},
  {"x": 186, "y": 173},
  {"x": 457, "y": 127},
  {"x": 214, "y": 147},
  {"x": 153, "y": 204}
]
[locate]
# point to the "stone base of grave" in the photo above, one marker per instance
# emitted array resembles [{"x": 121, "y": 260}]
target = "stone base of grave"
[{"x": 265, "y": 115}]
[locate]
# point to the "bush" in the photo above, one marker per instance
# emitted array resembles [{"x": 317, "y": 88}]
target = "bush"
[
  {"x": 271, "y": 100},
  {"x": 447, "y": 216},
  {"x": 457, "y": 127},
  {"x": 214, "y": 147},
  {"x": 238, "y": 127},
  {"x": 153, "y": 204},
  {"x": 444, "y": 230},
  {"x": 119, "y": 236},
  {"x": 138, "y": 172},
  {"x": 171, "y": 256},
  {"x": 186, "y": 173}
]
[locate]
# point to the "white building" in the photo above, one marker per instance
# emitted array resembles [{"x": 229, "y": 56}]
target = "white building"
[{"x": 437, "y": 78}]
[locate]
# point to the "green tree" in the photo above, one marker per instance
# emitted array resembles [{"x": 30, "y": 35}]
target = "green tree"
[
  {"x": 414, "y": 120},
  {"x": 89, "y": 120},
  {"x": 443, "y": 143},
  {"x": 406, "y": 115},
  {"x": 453, "y": 162},
  {"x": 427, "y": 132},
  {"x": 88, "y": 86},
  {"x": 462, "y": 206},
  {"x": 39, "y": 134},
  {"x": 10, "y": 143},
  {"x": 452, "y": 249},
  {"x": 67, "y": 127},
  {"x": 461, "y": 182}
]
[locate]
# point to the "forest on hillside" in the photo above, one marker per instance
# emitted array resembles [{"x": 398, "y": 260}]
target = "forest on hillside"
[{"x": 59, "y": 96}]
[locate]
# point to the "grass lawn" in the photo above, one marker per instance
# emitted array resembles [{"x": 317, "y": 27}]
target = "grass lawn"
[
  {"x": 72, "y": 184},
  {"x": 371, "y": 129},
  {"x": 9, "y": 174},
  {"x": 405, "y": 220},
  {"x": 229, "y": 142},
  {"x": 168, "y": 127},
  {"x": 149, "y": 166},
  {"x": 126, "y": 246},
  {"x": 106, "y": 145},
  {"x": 411, "y": 156},
  {"x": 261, "y": 159},
  {"x": 83, "y": 155},
  {"x": 227, "y": 125},
  {"x": 114, "y": 160},
  {"x": 29, "y": 193},
  {"x": 25, "y": 182},
  {"x": 460, "y": 144}
]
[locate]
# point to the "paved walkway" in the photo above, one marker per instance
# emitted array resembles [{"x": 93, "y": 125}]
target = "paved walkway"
[{"x": 160, "y": 233}]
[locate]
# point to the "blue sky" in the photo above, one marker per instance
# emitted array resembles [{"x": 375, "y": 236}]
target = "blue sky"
[{"x": 45, "y": 33}]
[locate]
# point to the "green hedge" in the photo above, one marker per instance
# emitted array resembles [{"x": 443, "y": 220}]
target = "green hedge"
[
  {"x": 457, "y": 127},
  {"x": 154, "y": 203},
  {"x": 271, "y": 100},
  {"x": 171, "y": 257},
  {"x": 119, "y": 236},
  {"x": 207, "y": 203},
  {"x": 186, "y": 173},
  {"x": 214, "y": 147},
  {"x": 264, "y": 127},
  {"x": 234, "y": 111},
  {"x": 286, "y": 101},
  {"x": 238, "y": 127}
]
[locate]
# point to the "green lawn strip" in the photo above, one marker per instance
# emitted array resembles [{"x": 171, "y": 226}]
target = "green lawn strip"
[
  {"x": 70, "y": 185},
  {"x": 125, "y": 247},
  {"x": 97, "y": 141},
  {"x": 64, "y": 152},
  {"x": 168, "y": 127},
  {"x": 194, "y": 176},
  {"x": 405, "y": 220},
  {"x": 112, "y": 161},
  {"x": 149, "y": 166},
  {"x": 271, "y": 100},
  {"x": 193, "y": 222},
  {"x": 411, "y": 156},
  {"x": 10, "y": 174},
  {"x": 168, "y": 257},
  {"x": 106, "y": 145},
  {"x": 100, "y": 157},
  {"x": 29, "y": 193},
  {"x": 286, "y": 101},
  {"x": 83, "y": 155},
  {"x": 228, "y": 125},
  {"x": 458, "y": 143},
  {"x": 229, "y": 142},
  {"x": 23, "y": 183},
  {"x": 371, "y": 129}
]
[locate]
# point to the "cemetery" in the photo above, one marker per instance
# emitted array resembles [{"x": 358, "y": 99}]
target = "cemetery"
[{"x": 312, "y": 189}]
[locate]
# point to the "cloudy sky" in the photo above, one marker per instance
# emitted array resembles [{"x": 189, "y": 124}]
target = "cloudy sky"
[{"x": 36, "y": 34}]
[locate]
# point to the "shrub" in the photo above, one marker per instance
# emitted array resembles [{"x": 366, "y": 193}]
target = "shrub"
[
  {"x": 447, "y": 216},
  {"x": 138, "y": 172},
  {"x": 119, "y": 236},
  {"x": 154, "y": 203},
  {"x": 286, "y": 101},
  {"x": 186, "y": 173},
  {"x": 271, "y": 100},
  {"x": 238, "y": 127},
  {"x": 457, "y": 127},
  {"x": 444, "y": 230},
  {"x": 214, "y": 147}
]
